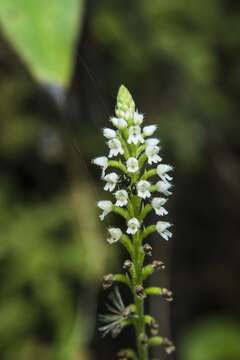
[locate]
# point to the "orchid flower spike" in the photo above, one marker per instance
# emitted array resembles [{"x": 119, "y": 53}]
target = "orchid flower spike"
[{"x": 139, "y": 185}]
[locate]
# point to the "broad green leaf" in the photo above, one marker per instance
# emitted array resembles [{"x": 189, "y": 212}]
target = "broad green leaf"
[{"x": 43, "y": 33}]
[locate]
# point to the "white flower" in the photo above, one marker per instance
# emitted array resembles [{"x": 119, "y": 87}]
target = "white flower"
[
  {"x": 109, "y": 133},
  {"x": 163, "y": 187},
  {"x": 135, "y": 135},
  {"x": 162, "y": 171},
  {"x": 105, "y": 206},
  {"x": 137, "y": 118},
  {"x": 101, "y": 161},
  {"x": 152, "y": 154},
  {"x": 152, "y": 141},
  {"x": 149, "y": 130},
  {"x": 132, "y": 165},
  {"x": 115, "y": 147},
  {"x": 143, "y": 187},
  {"x": 162, "y": 228},
  {"x": 115, "y": 235},
  {"x": 133, "y": 226},
  {"x": 122, "y": 198},
  {"x": 111, "y": 181},
  {"x": 157, "y": 204},
  {"x": 118, "y": 122}
]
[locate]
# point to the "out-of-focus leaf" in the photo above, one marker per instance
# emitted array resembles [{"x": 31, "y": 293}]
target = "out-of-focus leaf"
[
  {"x": 43, "y": 33},
  {"x": 213, "y": 339}
]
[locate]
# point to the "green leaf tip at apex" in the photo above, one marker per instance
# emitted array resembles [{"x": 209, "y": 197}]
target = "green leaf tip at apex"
[{"x": 125, "y": 101}]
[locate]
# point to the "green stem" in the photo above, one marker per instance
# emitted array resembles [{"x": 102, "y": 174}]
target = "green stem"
[
  {"x": 137, "y": 260},
  {"x": 137, "y": 254}
]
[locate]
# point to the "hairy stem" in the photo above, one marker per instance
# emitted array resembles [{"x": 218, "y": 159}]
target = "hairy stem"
[{"x": 137, "y": 259}]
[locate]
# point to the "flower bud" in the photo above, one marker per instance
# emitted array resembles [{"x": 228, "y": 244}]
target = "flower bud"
[
  {"x": 128, "y": 312},
  {"x": 107, "y": 281},
  {"x": 167, "y": 294},
  {"x": 123, "y": 355},
  {"x": 147, "y": 249},
  {"x": 116, "y": 331},
  {"x": 140, "y": 291},
  {"x": 127, "y": 265},
  {"x": 158, "y": 265},
  {"x": 168, "y": 345},
  {"x": 143, "y": 339},
  {"x": 154, "y": 327}
]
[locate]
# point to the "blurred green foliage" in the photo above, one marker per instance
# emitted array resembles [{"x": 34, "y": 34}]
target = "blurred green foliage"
[
  {"x": 181, "y": 59},
  {"x": 44, "y": 34},
  {"x": 182, "y": 51},
  {"x": 213, "y": 339}
]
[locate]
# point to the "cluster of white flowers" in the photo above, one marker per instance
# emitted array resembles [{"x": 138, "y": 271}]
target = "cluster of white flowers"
[
  {"x": 139, "y": 183},
  {"x": 132, "y": 148}
]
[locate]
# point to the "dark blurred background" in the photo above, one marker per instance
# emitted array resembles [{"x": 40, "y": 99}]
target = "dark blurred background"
[{"x": 61, "y": 63}]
